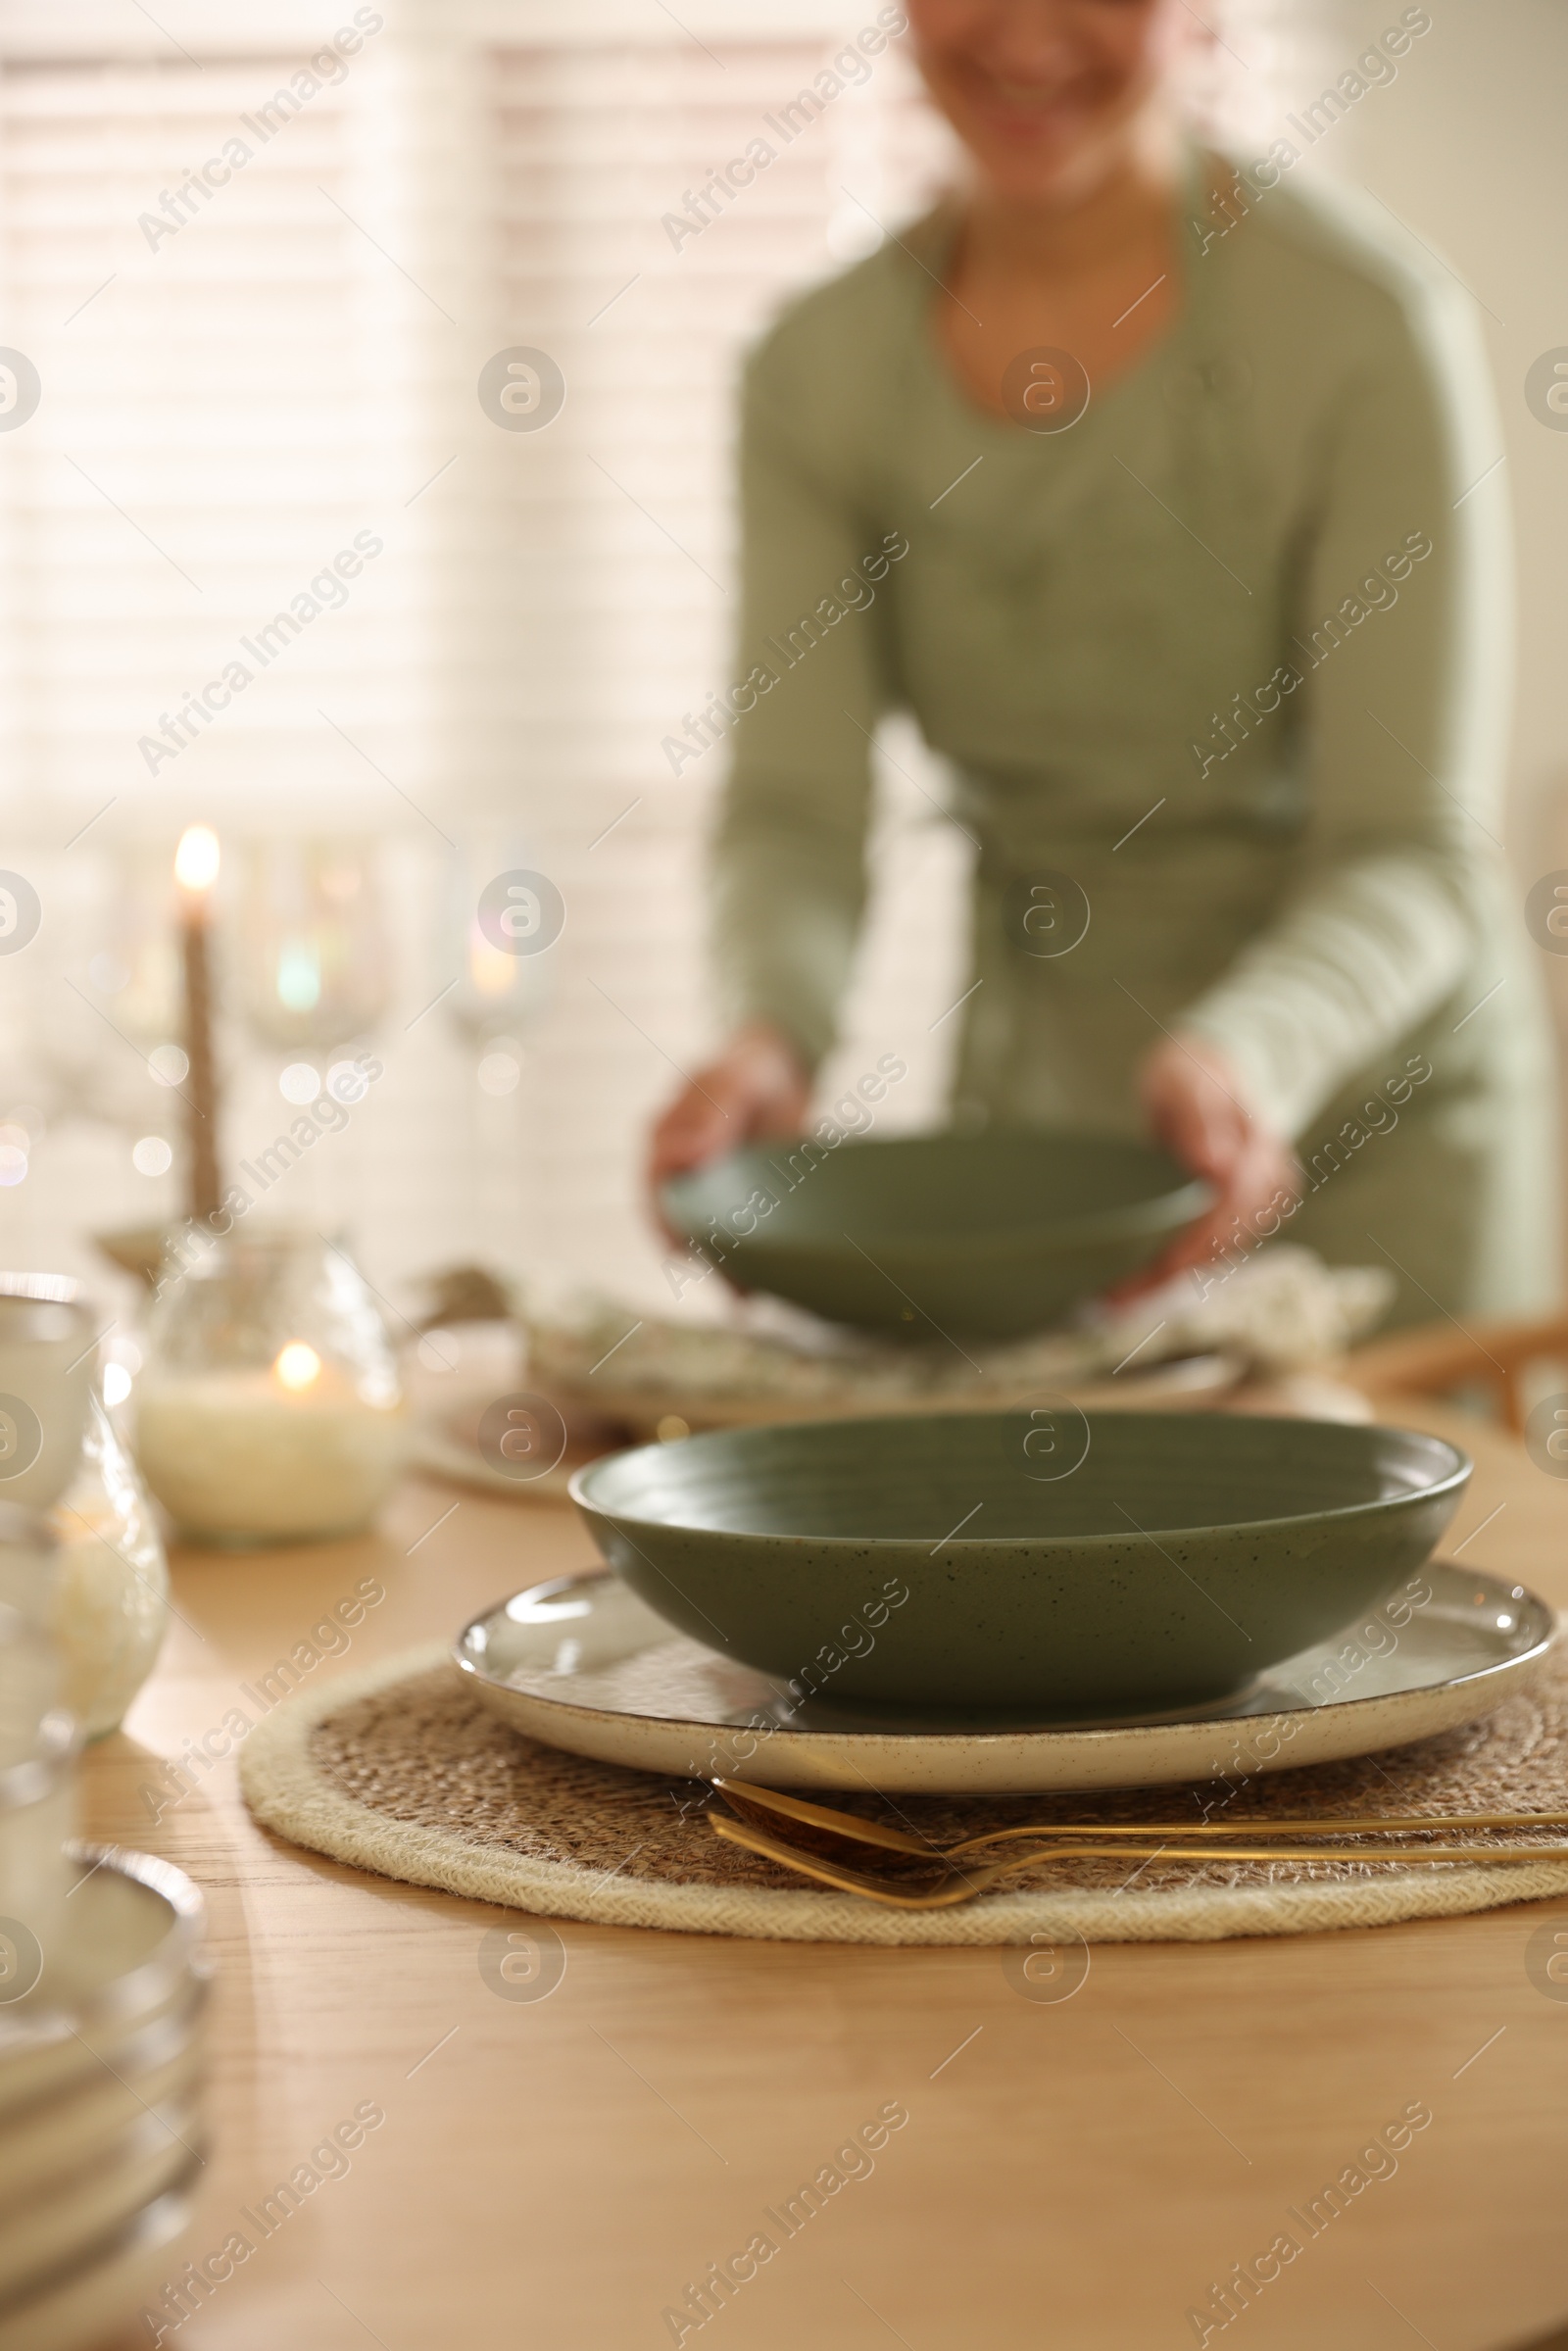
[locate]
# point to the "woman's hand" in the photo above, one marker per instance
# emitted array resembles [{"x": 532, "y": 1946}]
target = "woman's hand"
[
  {"x": 758, "y": 1086},
  {"x": 1197, "y": 1105}
]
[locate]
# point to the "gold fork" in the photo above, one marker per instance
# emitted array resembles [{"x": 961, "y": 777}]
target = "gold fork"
[
  {"x": 956, "y": 1883},
  {"x": 815, "y": 1826}
]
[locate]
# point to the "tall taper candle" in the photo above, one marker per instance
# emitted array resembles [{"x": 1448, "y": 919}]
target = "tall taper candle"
[{"x": 195, "y": 871}]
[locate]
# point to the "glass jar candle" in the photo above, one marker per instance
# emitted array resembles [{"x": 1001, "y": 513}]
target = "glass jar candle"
[{"x": 269, "y": 1409}]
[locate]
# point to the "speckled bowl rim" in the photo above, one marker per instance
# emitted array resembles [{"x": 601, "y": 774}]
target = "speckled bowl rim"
[{"x": 1455, "y": 1479}]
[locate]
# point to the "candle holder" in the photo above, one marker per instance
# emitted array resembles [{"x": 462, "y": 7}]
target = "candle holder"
[{"x": 269, "y": 1409}]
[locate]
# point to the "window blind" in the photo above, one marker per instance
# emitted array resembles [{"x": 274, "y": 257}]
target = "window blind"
[
  {"x": 620, "y": 550},
  {"x": 214, "y": 344},
  {"x": 244, "y": 376}
]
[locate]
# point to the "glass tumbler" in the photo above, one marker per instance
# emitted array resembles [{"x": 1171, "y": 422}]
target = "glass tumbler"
[
  {"x": 109, "y": 1593},
  {"x": 37, "y": 1753},
  {"x": 48, "y": 1365}
]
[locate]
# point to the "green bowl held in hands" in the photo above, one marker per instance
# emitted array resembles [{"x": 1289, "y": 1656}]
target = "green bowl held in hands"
[
  {"x": 1037, "y": 1564},
  {"x": 986, "y": 1236}
]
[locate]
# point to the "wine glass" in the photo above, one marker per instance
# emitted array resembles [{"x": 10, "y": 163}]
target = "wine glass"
[
  {"x": 497, "y": 998},
  {"x": 314, "y": 968},
  {"x": 498, "y": 993}
]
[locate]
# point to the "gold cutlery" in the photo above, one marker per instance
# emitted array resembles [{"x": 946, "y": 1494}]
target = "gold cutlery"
[
  {"x": 770, "y": 1808},
  {"x": 960, "y": 1883}
]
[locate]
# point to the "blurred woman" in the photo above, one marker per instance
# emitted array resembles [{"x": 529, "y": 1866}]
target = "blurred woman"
[{"x": 1164, "y": 494}]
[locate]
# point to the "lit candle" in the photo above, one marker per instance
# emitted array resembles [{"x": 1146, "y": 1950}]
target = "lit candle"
[
  {"x": 195, "y": 871},
  {"x": 247, "y": 1455}
]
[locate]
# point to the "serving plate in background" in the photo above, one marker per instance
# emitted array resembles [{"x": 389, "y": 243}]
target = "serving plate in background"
[{"x": 648, "y": 1410}]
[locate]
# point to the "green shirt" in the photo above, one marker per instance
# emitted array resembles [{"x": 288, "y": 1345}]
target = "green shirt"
[{"x": 1220, "y": 670}]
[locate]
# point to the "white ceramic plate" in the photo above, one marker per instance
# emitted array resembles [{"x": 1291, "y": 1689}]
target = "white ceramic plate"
[
  {"x": 1192, "y": 1383},
  {"x": 51, "y": 2138},
  {"x": 1188, "y": 1382},
  {"x": 584, "y": 1664},
  {"x": 58, "y": 2223},
  {"x": 133, "y": 1958},
  {"x": 436, "y": 1449},
  {"x": 103, "y": 2290}
]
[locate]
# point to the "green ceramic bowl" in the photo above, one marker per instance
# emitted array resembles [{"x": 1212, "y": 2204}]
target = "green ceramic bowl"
[
  {"x": 987, "y": 1562},
  {"x": 989, "y": 1236}
]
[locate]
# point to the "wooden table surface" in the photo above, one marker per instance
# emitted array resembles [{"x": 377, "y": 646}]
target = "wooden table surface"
[{"x": 552, "y": 2175}]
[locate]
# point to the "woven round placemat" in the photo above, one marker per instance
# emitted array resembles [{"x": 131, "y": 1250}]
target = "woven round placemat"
[{"x": 400, "y": 1769}]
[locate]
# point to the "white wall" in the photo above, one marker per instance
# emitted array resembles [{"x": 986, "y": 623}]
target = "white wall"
[{"x": 1469, "y": 148}]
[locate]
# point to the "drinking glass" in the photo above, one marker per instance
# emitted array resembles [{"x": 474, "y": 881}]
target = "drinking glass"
[
  {"x": 314, "y": 967},
  {"x": 38, "y": 1751},
  {"x": 47, "y": 1368},
  {"x": 108, "y": 1606}
]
